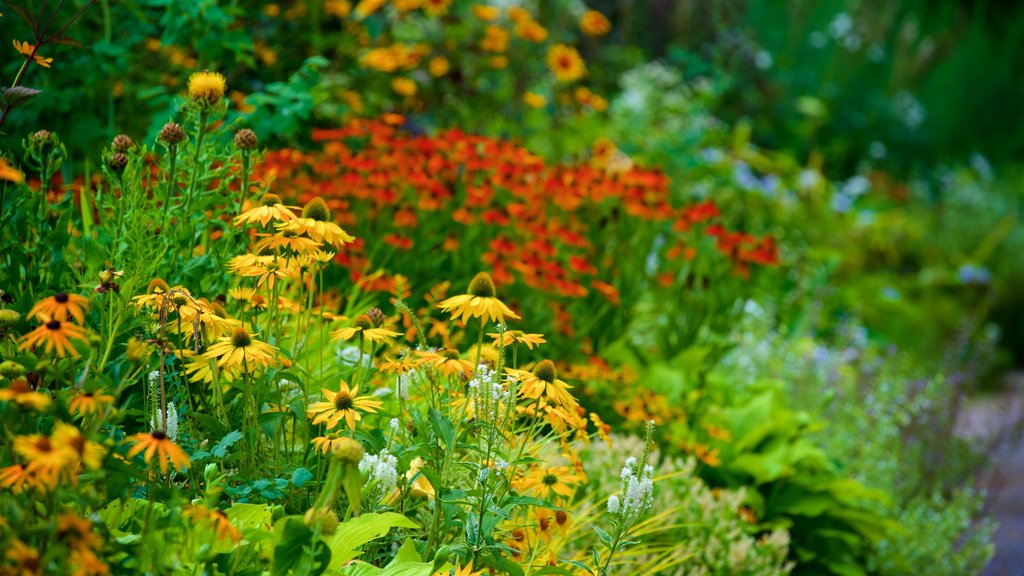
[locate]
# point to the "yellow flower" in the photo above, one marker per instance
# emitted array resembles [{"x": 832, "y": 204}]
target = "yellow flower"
[
  {"x": 531, "y": 31},
  {"x": 364, "y": 326},
  {"x": 28, "y": 49},
  {"x": 269, "y": 208},
  {"x": 344, "y": 404},
  {"x": 403, "y": 86},
  {"x": 404, "y": 6},
  {"x": 485, "y": 12},
  {"x": 9, "y": 173},
  {"x": 438, "y": 66},
  {"x": 566, "y": 63},
  {"x": 86, "y": 451},
  {"x": 420, "y": 486},
  {"x": 447, "y": 362},
  {"x": 206, "y": 87},
  {"x": 534, "y": 100},
  {"x": 240, "y": 351},
  {"x": 338, "y": 8},
  {"x": 543, "y": 381},
  {"x": 367, "y": 7},
  {"x": 495, "y": 39},
  {"x": 548, "y": 482},
  {"x": 479, "y": 302},
  {"x": 85, "y": 403},
  {"x": 593, "y": 23},
  {"x": 517, "y": 337},
  {"x": 216, "y": 519},
  {"x": 44, "y": 456},
  {"x": 436, "y": 7},
  {"x": 157, "y": 444},
  {"x": 315, "y": 223},
  {"x": 22, "y": 393}
]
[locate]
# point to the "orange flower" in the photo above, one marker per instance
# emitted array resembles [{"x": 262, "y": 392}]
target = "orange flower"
[
  {"x": 593, "y": 23},
  {"x": 85, "y": 403},
  {"x": 55, "y": 336},
  {"x": 28, "y": 49},
  {"x": 447, "y": 362},
  {"x": 60, "y": 306},
  {"x": 9, "y": 173},
  {"x": 157, "y": 444},
  {"x": 22, "y": 393},
  {"x": 566, "y": 63}
]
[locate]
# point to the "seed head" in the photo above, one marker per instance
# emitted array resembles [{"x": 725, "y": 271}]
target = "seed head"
[
  {"x": 363, "y": 322},
  {"x": 376, "y": 316},
  {"x": 246, "y": 140},
  {"x": 545, "y": 370},
  {"x": 118, "y": 162},
  {"x": 347, "y": 450},
  {"x": 122, "y": 143},
  {"x": 317, "y": 210},
  {"x": 269, "y": 199},
  {"x": 482, "y": 286},
  {"x": 240, "y": 338},
  {"x": 157, "y": 285},
  {"x": 171, "y": 134}
]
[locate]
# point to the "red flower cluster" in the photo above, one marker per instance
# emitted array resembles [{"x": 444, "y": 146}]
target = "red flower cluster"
[{"x": 468, "y": 201}]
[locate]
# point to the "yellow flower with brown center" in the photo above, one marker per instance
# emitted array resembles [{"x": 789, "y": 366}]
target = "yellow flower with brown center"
[
  {"x": 44, "y": 456},
  {"x": 287, "y": 240},
  {"x": 363, "y": 326},
  {"x": 517, "y": 337},
  {"x": 86, "y": 451},
  {"x": 447, "y": 362},
  {"x": 478, "y": 302},
  {"x": 566, "y": 63},
  {"x": 60, "y": 306},
  {"x": 17, "y": 477},
  {"x": 21, "y": 392},
  {"x": 316, "y": 223},
  {"x": 594, "y": 23},
  {"x": 85, "y": 403},
  {"x": 240, "y": 351},
  {"x": 157, "y": 444},
  {"x": 26, "y": 559},
  {"x": 206, "y": 87},
  {"x": 77, "y": 532},
  {"x": 345, "y": 404},
  {"x": 55, "y": 336},
  {"x": 269, "y": 208},
  {"x": 543, "y": 381}
]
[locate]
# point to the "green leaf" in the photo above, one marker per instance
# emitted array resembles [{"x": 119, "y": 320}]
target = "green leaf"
[
  {"x": 443, "y": 428},
  {"x": 350, "y": 536},
  {"x": 300, "y": 476},
  {"x": 292, "y": 552},
  {"x": 221, "y": 449}
]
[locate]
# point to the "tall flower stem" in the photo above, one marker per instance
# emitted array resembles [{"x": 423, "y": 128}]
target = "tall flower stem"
[
  {"x": 173, "y": 152},
  {"x": 204, "y": 118}
]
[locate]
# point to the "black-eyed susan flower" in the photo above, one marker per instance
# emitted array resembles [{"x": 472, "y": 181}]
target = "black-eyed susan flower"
[
  {"x": 20, "y": 392},
  {"x": 157, "y": 444},
  {"x": 447, "y": 361},
  {"x": 364, "y": 326},
  {"x": 240, "y": 351},
  {"x": 206, "y": 87},
  {"x": 550, "y": 481},
  {"x": 266, "y": 269},
  {"x": 216, "y": 519},
  {"x": 44, "y": 456},
  {"x": 543, "y": 381},
  {"x": 325, "y": 444},
  {"x": 511, "y": 337},
  {"x": 315, "y": 223},
  {"x": 566, "y": 63},
  {"x": 89, "y": 453},
  {"x": 55, "y": 336},
  {"x": 345, "y": 404},
  {"x": 76, "y": 532},
  {"x": 17, "y": 478},
  {"x": 60, "y": 306},
  {"x": 85, "y": 403},
  {"x": 269, "y": 208},
  {"x": 478, "y": 302},
  {"x": 25, "y": 559}
]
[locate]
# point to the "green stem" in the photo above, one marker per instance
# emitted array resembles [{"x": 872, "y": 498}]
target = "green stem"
[
  {"x": 173, "y": 152},
  {"x": 204, "y": 117}
]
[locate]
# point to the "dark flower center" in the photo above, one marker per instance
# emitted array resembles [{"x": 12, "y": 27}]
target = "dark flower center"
[
  {"x": 317, "y": 210},
  {"x": 240, "y": 338},
  {"x": 545, "y": 370},
  {"x": 482, "y": 286},
  {"x": 550, "y": 479},
  {"x": 561, "y": 517},
  {"x": 450, "y": 354},
  {"x": 61, "y": 297},
  {"x": 43, "y": 444},
  {"x": 159, "y": 435},
  {"x": 53, "y": 325},
  {"x": 343, "y": 402},
  {"x": 363, "y": 322},
  {"x": 270, "y": 200}
]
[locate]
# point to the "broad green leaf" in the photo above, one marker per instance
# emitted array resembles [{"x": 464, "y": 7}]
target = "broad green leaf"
[{"x": 353, "y": 534}]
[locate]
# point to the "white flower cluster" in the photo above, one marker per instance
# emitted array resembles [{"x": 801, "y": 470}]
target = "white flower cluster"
[
  {"x": 383, "y": 471},
  {"x": 636, "y": 493},
  {"x": 172, "y": 421},
  {"x": 489, "y": 394}
]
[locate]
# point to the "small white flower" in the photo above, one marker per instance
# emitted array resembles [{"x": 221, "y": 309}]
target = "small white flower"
[{"x": 613, "y": 504}]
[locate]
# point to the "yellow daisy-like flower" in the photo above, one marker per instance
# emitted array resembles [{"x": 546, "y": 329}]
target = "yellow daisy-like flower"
[
  {"x": 543, "y": 381},
  {"x": 44, "y": 455},
  {"x": 240, "y": 351},
  {"x": 517, "y": 337},
  {"x": 10, "y": 173},
  {"x": 216, "y": 519},
  {"x": 534, "y": 100},
  {"x": 206, "y": 87},
  {"x": 404, "y": 86},
  {"x": 593, "y": 23},
  {"x": 22, "y": 394},
  {"x": 345, "y": 404},
  {"x": 85, "y": 403},
  {"x": 17, "y": 478},
  {"x": 55, "y": 336},
  {"x": 288, "y": 240},
  {"x": 86, "y": 451},
  {"x": 364, "y": 326},
  {"x": 548, "y": 482},
  {"x": 269, "y": 208},
  {"x": 438, "y": 66},
  {"x": 485, "y": 12},
  {"x": 325, "y": 444},
  {"x": 27, "y": 49},
  {"x": 566, "y": 63},
  {"x": 157, "y": 444},
  {"x": 436, "y": 7},
  {"x": 479, "y": 302},
  {"x": 315, "y": 223},
  {"x": 447, "y": 362}
]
